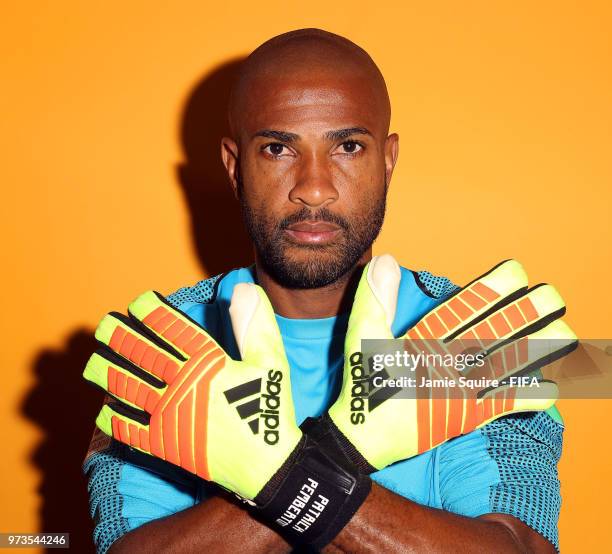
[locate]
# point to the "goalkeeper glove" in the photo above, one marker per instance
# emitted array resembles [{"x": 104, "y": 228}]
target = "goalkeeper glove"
[
  {"x": 179, "y": 397},
  {"x": 511, "y": 324}
]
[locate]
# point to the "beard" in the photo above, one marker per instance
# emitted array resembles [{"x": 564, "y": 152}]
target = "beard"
[{"x": 317, "y": 265}]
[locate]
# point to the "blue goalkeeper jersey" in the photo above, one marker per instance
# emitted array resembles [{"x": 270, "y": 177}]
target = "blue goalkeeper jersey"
[{"x": 508, "y": 466}]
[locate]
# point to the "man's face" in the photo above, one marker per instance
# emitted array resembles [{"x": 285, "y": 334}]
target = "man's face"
[{"x": 313, "y": 168}]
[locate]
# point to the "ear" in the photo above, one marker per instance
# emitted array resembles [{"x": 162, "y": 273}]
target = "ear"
[
  {"x": 391, "y": 154},
  {"x": 229, "y": 156}
]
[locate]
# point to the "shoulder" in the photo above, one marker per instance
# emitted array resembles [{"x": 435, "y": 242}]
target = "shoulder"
[
  {"x": 434, "y": 286},
  {"x": 213, "y": 289},
  {"x": 194, "y": 299},
  {"x": 207, "y": 304},
  {"x": 203, "y": 292}
]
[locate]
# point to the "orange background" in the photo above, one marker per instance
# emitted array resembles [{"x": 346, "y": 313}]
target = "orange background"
[{"x": 112, "y": 185}]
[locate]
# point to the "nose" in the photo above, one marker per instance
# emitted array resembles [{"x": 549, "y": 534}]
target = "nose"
[{"x": 314, "y": 185}]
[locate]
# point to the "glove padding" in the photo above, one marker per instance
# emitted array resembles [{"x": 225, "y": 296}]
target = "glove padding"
[
  {"x": 180, "y": 397},
  {"x": 496, "y": 311}
]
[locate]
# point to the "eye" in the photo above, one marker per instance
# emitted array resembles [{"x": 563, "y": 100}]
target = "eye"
[
  {"x": 275, "y": 149},
  {"x": 351, "y": 147}
]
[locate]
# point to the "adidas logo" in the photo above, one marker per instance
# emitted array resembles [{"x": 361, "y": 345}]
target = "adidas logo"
[
  {"x": 251, "y": 410},
  {"x": 363, "y": 393}
]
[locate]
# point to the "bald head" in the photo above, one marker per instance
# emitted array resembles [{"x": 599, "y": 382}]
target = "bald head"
[
  {"x": 310, "y": 158},
  {"x": 300, "y": 61}
]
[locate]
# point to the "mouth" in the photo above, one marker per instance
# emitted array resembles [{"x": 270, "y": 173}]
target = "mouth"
[{"x": 313, "y": 232}]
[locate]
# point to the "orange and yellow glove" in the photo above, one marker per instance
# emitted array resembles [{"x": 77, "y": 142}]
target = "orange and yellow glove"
[
  {"x": 180, "y": 397},
  {"x": 514, "y": 329}
]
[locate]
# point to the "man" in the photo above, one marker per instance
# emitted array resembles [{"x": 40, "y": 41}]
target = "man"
[{"x": 310, "y": 161}]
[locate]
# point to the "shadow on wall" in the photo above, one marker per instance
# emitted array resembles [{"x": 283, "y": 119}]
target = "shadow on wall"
[
  {"x": 61, "y": 403},
  {"x": 220, "y": 240},
  {"x": 64, "y": 407}
]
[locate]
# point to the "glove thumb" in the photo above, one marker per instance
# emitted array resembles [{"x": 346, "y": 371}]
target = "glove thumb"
[
  {"x": 375, "y": 302},
  {"x": 255, "y": 329}
]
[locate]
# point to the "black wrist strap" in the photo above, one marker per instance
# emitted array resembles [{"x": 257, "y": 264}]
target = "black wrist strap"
[
  {"x": 312, "y": 497},
  {"x": 333, "y": 442}
]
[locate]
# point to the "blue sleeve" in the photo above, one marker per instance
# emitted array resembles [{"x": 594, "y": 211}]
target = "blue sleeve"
[
  {"x": 509, "y": 466},
  {"x": 128, "y": 488},
  {"x": 124, "y": 493}
]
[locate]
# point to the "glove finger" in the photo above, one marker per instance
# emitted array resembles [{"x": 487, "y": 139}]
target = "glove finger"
[
  {"x": 493, "y": 289},
  {"x": 169, "y": 326},
  {"x": 375, "y": 303},
  {"x": 360, "y": 407},
  {"x": 442, "y": 420},
  {"x": 255, "y": 329},
  {"x": 509, "y": 399},
  {"x": 528, "y": 313},
  {"x": 439, "y": 409},
  {"x": 125, "y": 425},
  {"x": 123, "y": 380},
  {"x": 250, "y": 400},
  {"x": 528, "y": 353},
  {"x": 123, "y": 336}
]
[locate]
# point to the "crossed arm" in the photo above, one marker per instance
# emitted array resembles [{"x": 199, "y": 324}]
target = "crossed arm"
[{"x": 386, "y": 522}]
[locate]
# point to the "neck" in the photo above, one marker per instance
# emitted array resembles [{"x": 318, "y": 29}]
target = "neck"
[{"x": 327, "y": 301}]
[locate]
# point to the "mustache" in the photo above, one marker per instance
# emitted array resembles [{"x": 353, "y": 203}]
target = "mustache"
[{"x": 322, "y": 214}]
